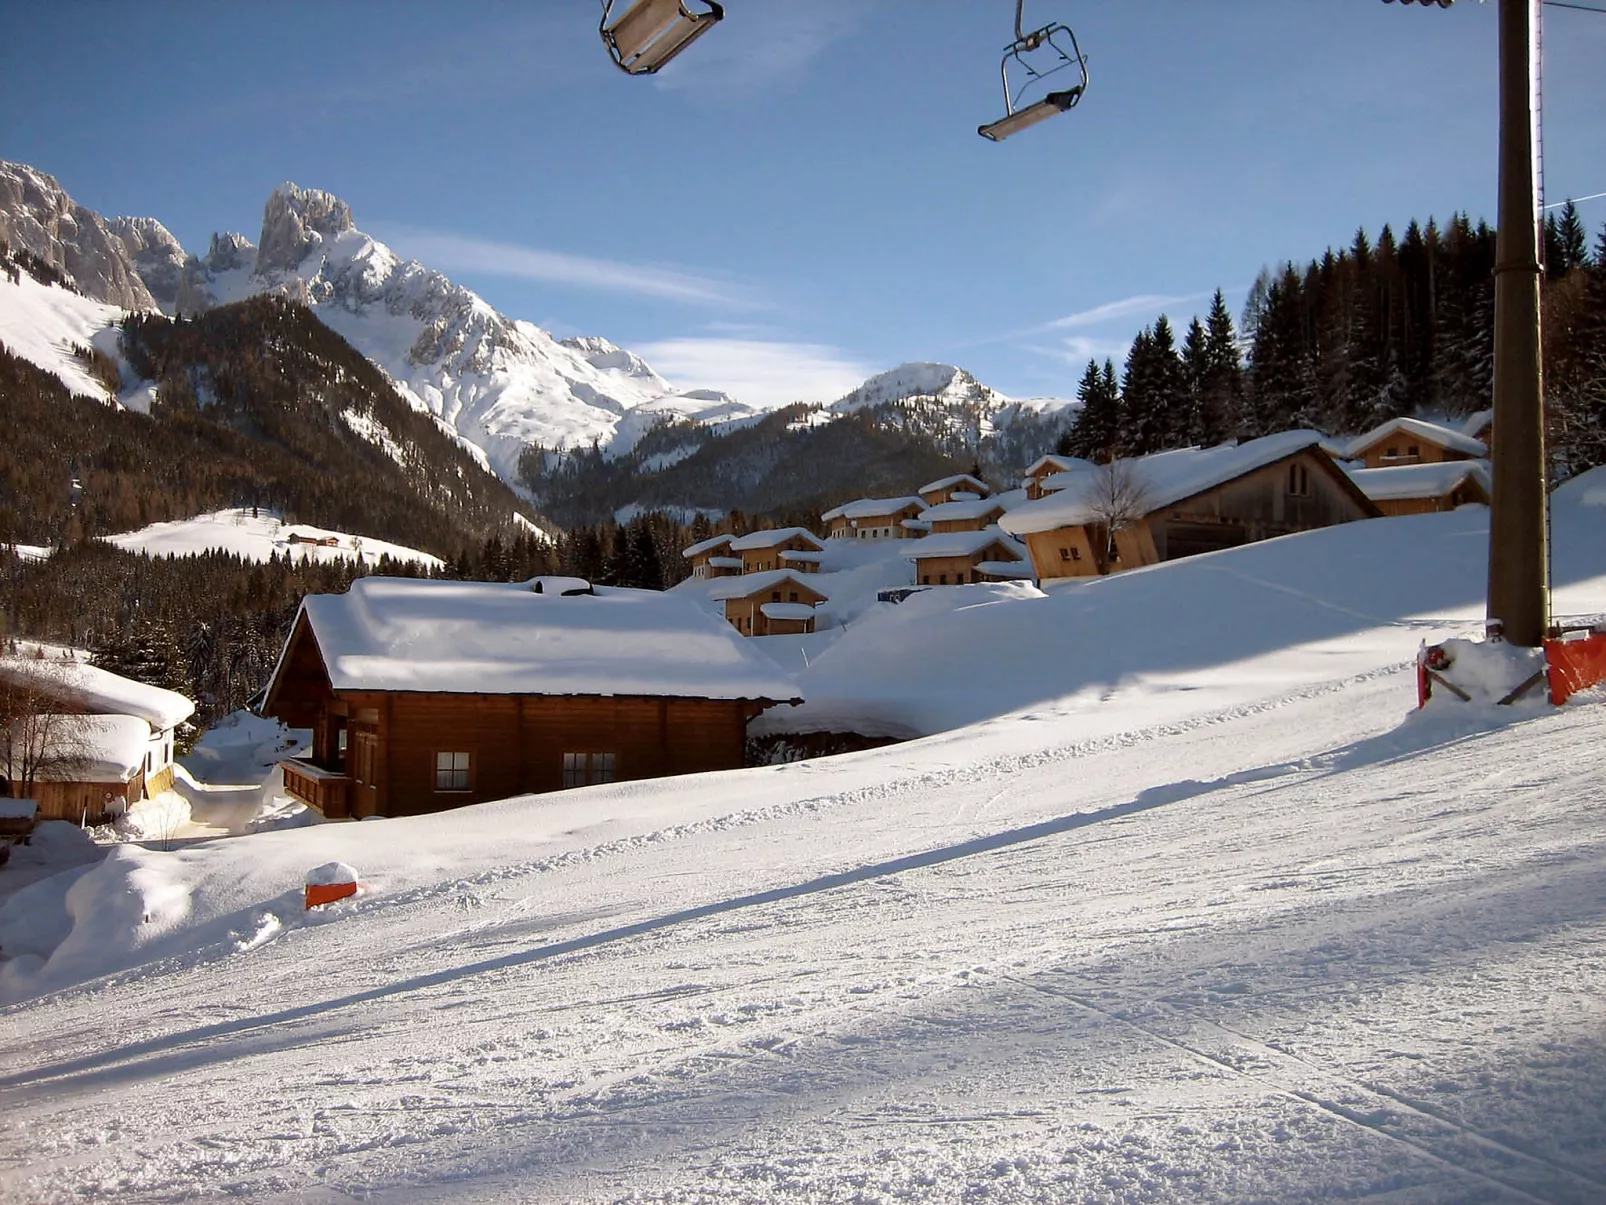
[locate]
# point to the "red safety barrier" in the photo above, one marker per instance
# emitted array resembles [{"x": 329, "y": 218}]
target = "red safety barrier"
[
  {"x": 327, "y": 893},
  {"x": 1575, "y": 665}
]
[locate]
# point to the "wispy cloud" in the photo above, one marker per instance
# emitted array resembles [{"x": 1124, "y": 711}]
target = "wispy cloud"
[
  {"x": 1077, "y": 350},
  {"x": 761, "y": 372},
  {"x": 449, "y": 253},
  {"x": 767, "y": 46},
  {"x": 1140, "y": 305}
]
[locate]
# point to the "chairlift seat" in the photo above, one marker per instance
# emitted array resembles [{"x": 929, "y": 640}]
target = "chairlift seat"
[
  {"x": 649, "y": 33},
  {"x": 1032, "y": 67}
]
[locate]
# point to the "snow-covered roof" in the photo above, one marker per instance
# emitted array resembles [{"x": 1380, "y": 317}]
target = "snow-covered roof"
[
  {"x": 962, "y": 543},
  {"x": 1395, "y": 482},
  {"x": 1476, "y": 423},
  {"x": 1164, "y": 478},
  {"x": 915, "y": 525},
  {"x": 1445, "y": 437},
  {"x": 932, "y": 487},
  {"x": 725, "y": 562},
  {"x": 786, "y": 610},
  {"x": 872, "y": 508},
  {"x": 100, "y": 690},
  {"x": 773, "y": 536},
  {"x": 18, "y": 809},
  {"x": 1055, "y": 464},
  {"x": 960, "y": 509},
  {"x": 707, "y": 545},
  {"x": 86, "y": 748},
  {"x": 407, "y": 634},
  {"x": 802, "y": 558},
  {"x": 753, "y": 583}
]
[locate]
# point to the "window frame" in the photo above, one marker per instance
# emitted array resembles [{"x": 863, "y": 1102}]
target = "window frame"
[{"x": 449, "y": 775}]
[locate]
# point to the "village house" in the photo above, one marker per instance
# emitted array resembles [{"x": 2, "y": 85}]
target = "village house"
[
  {"x": 873, "y": 519},
  {"x": 762, "y": 551},
  {"x": 972, "y": 514},
  {"x": 957, "y": 558},
  {"x": 1044, "y": 467},
  {"x": 88, "y": 744},
  {"x": 947, "y": 489},
  {"x": 1413, "y": 441},
  {"x": 774, "y": 603},
  {"x": 426, "y": 695},
  {"x": 1417, "y": 489},
  {"x": 1183, "y": 502},
  {"x": 711, "y": 558}
]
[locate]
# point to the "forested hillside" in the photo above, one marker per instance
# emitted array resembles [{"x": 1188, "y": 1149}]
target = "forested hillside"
[{"x": 1373, "y": 331}]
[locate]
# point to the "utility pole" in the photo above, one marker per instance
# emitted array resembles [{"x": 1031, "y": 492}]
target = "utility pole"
[{"x": 1518, "y": 559}]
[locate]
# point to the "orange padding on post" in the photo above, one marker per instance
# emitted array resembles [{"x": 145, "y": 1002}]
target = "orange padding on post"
[
  {"x": 1575, "y": 665},
  {"x": 328, "y": 893}
]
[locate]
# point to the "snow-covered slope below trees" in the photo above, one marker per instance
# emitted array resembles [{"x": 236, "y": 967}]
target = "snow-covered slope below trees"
[{"x": 43, "y": 324}]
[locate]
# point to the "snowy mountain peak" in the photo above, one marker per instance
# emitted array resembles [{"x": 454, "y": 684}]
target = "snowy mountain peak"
[
  {"x": 610, "y": 357},
  {"x": 295, "y": 221},
  {"x": 36, "y": 214},
  {"x": 944, "y": 382},
  {"x": 229, "y": 253},
  {"x": 172, "y": 276}
]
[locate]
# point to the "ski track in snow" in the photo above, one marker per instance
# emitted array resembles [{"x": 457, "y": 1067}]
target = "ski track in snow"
[{"x": 1383, "y": 982}]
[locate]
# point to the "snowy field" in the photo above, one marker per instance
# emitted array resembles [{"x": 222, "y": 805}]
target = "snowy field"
[
  {"x": 1229, "y": 924},
  {"x": 256, "y": 537}
]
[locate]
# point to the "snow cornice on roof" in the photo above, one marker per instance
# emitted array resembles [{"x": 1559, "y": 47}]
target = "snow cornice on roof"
[{"x": 771, "y": 537}]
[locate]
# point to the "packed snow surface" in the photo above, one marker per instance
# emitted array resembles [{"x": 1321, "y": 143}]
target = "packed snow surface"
[
  {"x": 43, "y": 323},
  {"x": 1220, "y": 920},
  {"x": 261, "y": 535}
]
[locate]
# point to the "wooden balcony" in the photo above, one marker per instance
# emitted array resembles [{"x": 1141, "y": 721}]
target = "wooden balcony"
[{"x": 325, "y": 791}]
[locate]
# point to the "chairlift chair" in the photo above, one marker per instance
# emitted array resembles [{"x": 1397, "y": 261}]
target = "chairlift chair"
[
  {"x": 1053, "y": 49},
  {"x": 649, "y": 33}
]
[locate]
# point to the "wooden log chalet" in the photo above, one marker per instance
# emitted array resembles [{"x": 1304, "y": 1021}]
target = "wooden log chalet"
[
  {"x": 974, "y": 514},
  {"x": 1044, "y": 467},
  {"x": 873, "y": 519},
  {"x": 946, "y": 489},
  {"x": 428, "y": 695},
  {"x": 958, "y": 558},
  {"x": 763, "y": 551},
  {"x": 711, "y": 558},
  {"x": 1180, "y": 503},
  {"x": 1419, "y": 489},
  {"x": 1413, "y": 441},
  {"x": 776, "y": 603},
  {"x": 90, "y": 743}
]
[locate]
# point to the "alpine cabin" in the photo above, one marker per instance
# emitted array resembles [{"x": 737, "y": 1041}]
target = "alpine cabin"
[
  {"x": 427, "y": 695},
  {"x": 775, "y": 603}
]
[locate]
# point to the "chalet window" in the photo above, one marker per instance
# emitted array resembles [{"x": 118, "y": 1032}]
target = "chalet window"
[
  {"x": 451, "y": 771},
  {"x": 1413, "y": 450},
  {"x": 1394, "y": 452},
  {"x": 775, "y": 596},
  {"x": 1065, "y": 554},
  {"x": 582, "y": 769},
  {"x": 942, "y": 579},
  {"x": 926, "y": 580},
  {"x": 1298, "y": 481},
  {"x": 793, "y": 595}
]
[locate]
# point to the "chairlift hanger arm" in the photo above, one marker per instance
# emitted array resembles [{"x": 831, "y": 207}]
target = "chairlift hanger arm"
[{"x": 1065, "y": 53}]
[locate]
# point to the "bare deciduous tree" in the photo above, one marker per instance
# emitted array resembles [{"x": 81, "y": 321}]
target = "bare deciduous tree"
[
  {"x": 1117, "y": 498},
  {"x": 44, "y": 729}
]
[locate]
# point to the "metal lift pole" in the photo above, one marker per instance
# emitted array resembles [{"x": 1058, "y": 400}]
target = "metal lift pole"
[{"x": 1518, "y": 560}]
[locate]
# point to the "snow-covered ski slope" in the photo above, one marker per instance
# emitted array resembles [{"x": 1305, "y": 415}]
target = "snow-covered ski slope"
[{"x": 1240, "y": 928}]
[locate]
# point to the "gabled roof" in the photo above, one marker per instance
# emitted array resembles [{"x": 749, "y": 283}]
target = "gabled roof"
[
  {"x": 750, "y": 584},
  {"x": 1395, "y": 482},
  {"x": 707, "y": 545},
  {"x": 770, "y": 537},
  {"x": 1477, "y": 422},
  {"x": 1055, "y": 464},
  {"x": 1436, "y": 433},
  {"x": 963, "y": 543},
  {"x": 1165, "y": 478},
  {"x": 99, "y": 690},
  {"x": 872, "y": 508},
  {"x": 932, "y": 487},
  {"x": 495, "y": 638},
  {"x": 974, "y": 508}
]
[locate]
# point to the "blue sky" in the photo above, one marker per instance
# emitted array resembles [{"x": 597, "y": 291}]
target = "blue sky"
[{"x": 802, "y": 199}]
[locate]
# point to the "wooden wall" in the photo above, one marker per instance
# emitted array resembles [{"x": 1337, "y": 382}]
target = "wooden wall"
[
  {"x": 1427, "y": 452},
  {"x": 516, "y": 743}
]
